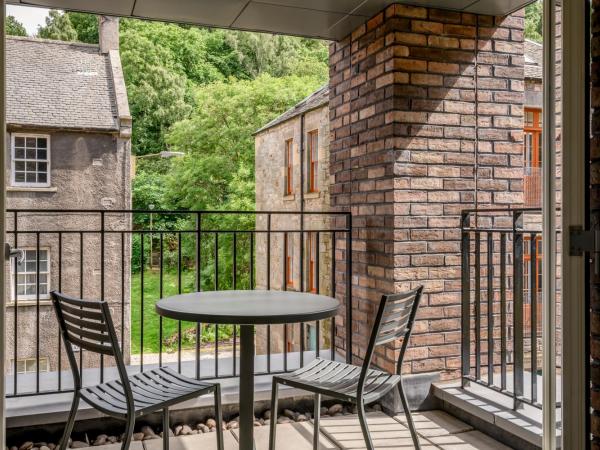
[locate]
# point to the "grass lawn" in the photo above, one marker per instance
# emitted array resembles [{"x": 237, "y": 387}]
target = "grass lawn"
[{"x": 151, "y": 320}]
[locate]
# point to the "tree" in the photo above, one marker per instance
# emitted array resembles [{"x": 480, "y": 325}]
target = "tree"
[
  {"x": 85, "y": 25},
  {"x": 58, "y": 26},
  {"x": 13, "y": 27},
  {"x": 534, "y": 21},
  {"x": 218, "y": 169}
]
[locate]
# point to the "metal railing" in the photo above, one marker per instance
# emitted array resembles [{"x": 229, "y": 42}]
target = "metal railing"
[
  {"x": 132, "y": 258},
  {"x": 501, "y": 302}
]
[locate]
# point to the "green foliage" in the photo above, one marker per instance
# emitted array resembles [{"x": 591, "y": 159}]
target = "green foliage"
[
  {"x": 58, "y": 26},
  {"x": 13, "y": 27},
  {"x": 218, "y": 169},
  {"x": 85, "y": 25},
  {"x": 534, "y": 21}
]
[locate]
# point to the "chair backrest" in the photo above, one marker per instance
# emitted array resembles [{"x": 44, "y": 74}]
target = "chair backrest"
[
  {"x": 394, "y": 320},
  {"x": 88, "y": 325}
]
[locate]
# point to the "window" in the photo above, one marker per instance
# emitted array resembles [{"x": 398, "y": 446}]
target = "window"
[
  {"x": 533, "y": 138},
  {"x": 31, "y": 160},
  {"x": 26, "y": 273},
  {"x": 536, "y": 296},
  {"x": 289, "y": 260},
  {"x": 313, "y": 161},
  {"x": 29, "y": 365},
  {"x": 289, "y": 167},
  {"x": 312, "y": 262}
]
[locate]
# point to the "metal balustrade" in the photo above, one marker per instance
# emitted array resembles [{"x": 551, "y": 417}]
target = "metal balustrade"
[
  {"x": 130, "y": 258},
  {"x": 502, "y": 302}
]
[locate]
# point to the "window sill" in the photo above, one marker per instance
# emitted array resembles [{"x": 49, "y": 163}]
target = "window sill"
[
  {"x": 31, "y": 189},
  {"x": 43, "y": 302},
  {"x": 289, "y": 198},
  {"x": 311, "y": 195}
]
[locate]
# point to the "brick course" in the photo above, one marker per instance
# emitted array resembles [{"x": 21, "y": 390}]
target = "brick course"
[{"x": 425, "y": 120}]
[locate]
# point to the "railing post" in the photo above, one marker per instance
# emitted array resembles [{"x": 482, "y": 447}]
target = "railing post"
[
  {"x": 465, "y": 298},
  {"x": 349, "y": 288},
  {"x": 518, "y": 307},
  {"x": 198, "y": 286}
]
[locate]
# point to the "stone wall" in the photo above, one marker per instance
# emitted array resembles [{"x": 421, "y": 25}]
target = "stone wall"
[
  {"x": 271, "y": 196},
  {"x": 426, "y": 116},
  {"x": 88, "y": 171}
]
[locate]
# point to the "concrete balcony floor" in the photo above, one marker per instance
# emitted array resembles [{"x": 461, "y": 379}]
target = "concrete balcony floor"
[{"x": 437, "y": 430}]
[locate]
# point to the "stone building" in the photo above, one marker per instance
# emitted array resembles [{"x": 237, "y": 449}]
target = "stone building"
[
  {"x": 69, "y": 141},
  {"x": 407, "y": 130},
  {"x": 299, "y": 261}
]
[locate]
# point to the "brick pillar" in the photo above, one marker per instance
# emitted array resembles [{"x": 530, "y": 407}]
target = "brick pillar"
[{"x": 426, "y": 119}]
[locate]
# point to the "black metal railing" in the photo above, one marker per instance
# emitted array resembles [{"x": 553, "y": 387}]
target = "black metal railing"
[
  {"x": 502, "y": 301},
  {"x": 133, "y": 258}
]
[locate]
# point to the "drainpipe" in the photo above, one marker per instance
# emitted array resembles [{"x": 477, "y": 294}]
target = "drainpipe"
[
  {"x": 549, "y": 230},
  {"x": 302, "y": 181},
  {"x": 2, "y": 220}
]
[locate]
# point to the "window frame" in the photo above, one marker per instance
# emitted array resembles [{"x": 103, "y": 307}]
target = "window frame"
[
  {"x": 13, "y": 180},
  {"x": 535, "y": 130},
  {"x": 312, "y": 161},
  {"x": 312, "y": 250},
  {"x": 14, "y": 296},
  {"x": 289, "y": 260},
  {"x": 289, "y": 166},
  {"x": 42, "y": 359}
]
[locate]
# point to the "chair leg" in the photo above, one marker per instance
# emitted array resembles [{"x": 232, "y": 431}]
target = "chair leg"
[
  {"x": 64, "y": 442},
  {"x": 364, "y": 426},
  {"x": 273, "y": 421},
  {"x": 166, "y": 428},
  {"x": 411, "y": 425},
  {"x": 316, "y": 420},
  {"x": 219, "y": 417},
  {"x": 129, "y": 426}
]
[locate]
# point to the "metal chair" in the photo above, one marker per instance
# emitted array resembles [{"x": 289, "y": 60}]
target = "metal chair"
[
  {"x": 88, "y": 325},
  {"x": 358, "y": 385}
]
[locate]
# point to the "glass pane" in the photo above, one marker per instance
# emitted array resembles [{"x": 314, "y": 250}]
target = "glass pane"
[
  {"x": 43, "y": 278},
  {"x": 43, "y": 266},
  {"x": 30, "y": 290},
  {"x": 42, "y": 178},
  {"x": 20, "y": 165},
  {"x": 30, "y": 177},
  {"x": 30, "y": 142},
  {"x": 41, "y": 154},
  {"x": 30, "y": 166},
  {"x": 19, "y": 153},
  {"x": 20, "y": 177},
  {"x": 41, "y": 167},
  {"x": 21, "y": 290},
  {"x": 30, "y": 153},
  {"x": 43, "y": 289},
  {"x": 19, "y": 141},
  {"x": 42, "y": 143},
  {"x": 30, "y": 266}
]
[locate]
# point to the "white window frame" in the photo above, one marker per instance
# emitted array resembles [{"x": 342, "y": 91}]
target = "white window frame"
[
  {"x": 25, "y": 297},
  {"x": 43, "y": 360},
  {"x": 13, "y": 181}
]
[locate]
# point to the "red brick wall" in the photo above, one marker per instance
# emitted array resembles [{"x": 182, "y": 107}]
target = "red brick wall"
[{"x": 426, "y": 120}]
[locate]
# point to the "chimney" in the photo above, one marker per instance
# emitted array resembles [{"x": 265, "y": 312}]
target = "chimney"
[{"x": 108, "y": 33}]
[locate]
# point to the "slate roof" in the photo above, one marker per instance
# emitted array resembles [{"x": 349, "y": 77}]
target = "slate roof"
[
  {"x": 534, "y": 55},
  {"x": 318, "y": 98},
  {"x": 54, "y": 84}
]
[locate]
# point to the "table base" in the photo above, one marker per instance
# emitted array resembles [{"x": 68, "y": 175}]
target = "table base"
[{"x": 246, "y": 430}]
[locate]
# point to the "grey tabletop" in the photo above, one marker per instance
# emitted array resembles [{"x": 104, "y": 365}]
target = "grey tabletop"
[{"x": 255, "y": 307}]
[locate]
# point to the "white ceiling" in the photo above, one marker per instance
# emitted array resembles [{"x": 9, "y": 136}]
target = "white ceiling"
[{"x": 327, "y": 19}]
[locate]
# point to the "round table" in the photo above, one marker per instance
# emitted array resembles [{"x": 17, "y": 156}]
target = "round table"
[{"x": 247, "y": 309}]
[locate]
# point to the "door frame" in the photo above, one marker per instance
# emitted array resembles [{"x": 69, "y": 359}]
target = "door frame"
[{"x": 575, "y": 208}]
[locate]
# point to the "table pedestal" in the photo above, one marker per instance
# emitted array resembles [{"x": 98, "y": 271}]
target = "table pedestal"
[{"x": 246, "y": 431}]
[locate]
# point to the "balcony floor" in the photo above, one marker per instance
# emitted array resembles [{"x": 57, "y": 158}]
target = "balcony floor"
[{"x": 437, "y": 430}]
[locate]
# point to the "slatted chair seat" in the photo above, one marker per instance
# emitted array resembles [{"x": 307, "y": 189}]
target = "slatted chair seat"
[
  {"x": 360, "y": 385},
  {"x": 340, "y": 380},
  {"x": 88, "y": 325},
  {"x": 152, "y": 391}
]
